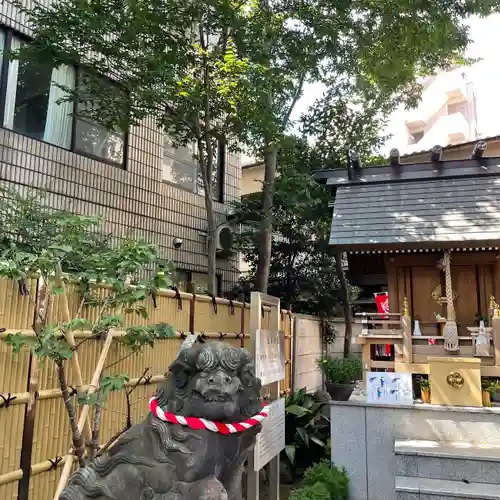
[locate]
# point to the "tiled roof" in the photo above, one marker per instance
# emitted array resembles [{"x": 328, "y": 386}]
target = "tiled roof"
[{"x": 438, "y": 211}]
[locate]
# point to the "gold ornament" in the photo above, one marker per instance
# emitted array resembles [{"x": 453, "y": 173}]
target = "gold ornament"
[{"x": 455, "y": 380}]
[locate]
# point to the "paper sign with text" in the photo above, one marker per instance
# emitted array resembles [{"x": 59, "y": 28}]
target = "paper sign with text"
[
  {"x": 271, "y": 440},
  {"x": 270, "y": 356}
]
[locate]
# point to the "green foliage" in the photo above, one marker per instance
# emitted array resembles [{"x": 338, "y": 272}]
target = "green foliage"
[
  {"x": 424, "y": 382},
  {"x": 107, "y": 385},
  {"x": 334, "y": 478},
  {"x": 138, "y": 336},
  {"x": 48, "y": 344},
  {"x": 318, "y": 491},
  {"x": 302, "y": 271},
  {"x": 60, "y": 249},
  {"x": 341, "y": 370},
  {"x": 234, "y": 71},
  {"x": 307, "y": 430},
  {"x": 323, "y": 481},
  {"x": 490, "y": 385}
]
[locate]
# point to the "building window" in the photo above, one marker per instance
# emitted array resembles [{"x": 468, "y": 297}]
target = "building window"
[
  {"x": 95, "y": 140},
  {"x": 181, "y": 167},
  {"x": 194, "y": 282},
  {"x": 34, "y": 105},
  {"x": 32, "y": 100}
]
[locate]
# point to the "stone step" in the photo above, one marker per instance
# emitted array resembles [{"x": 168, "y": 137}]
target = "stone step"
[
  {"x": 448, "y": 461},
  {"x": 419, "y": 488}
]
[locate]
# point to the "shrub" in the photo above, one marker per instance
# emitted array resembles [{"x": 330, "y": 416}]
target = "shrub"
[
  {"x": 307, "y": 430},
  {"x": 334, "y": 478},
  {"x": 341, "y": 370},
  {"x": 317, "y": 491},
  {"x": 323, "y": 481}
]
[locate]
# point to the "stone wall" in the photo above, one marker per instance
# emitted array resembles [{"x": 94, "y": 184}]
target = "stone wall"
[{"x": 363, "y": 437}]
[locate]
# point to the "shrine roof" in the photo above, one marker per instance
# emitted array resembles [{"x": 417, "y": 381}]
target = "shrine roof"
[{"x": 429, "y": 206}]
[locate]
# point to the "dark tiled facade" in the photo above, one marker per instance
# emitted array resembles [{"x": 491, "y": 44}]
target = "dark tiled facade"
[{"x": 133, "y": 201}]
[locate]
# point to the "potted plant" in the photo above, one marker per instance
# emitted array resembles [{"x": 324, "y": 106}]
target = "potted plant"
[
  {"x": 425, "y": 389},
  {"x": 489, "y": 388},
  {"x": 341, "y": 376}
]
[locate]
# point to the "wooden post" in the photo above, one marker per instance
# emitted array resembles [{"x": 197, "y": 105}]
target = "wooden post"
[
  {"x": 407, "y": 340},
  {"x": 256, "y": 303},
  {"x": 495, "y": 335}
]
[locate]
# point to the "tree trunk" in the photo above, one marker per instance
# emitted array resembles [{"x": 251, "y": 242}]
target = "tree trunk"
[
  {"x": 344, "y": 296},
  {"x": 266, "y": 225},
  {"x": 76, "y": 435},
  {"x": 211, "y": 243}
]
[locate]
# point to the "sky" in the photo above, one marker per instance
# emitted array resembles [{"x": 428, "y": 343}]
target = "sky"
[{"x": 485, "y": 74}]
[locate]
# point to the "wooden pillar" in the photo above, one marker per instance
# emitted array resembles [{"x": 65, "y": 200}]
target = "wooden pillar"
[
  {"x": 495, "y": 335},
  {"x": 407, "y": 340}
]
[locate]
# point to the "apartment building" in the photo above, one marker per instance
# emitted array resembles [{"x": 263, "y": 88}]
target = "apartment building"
[
  {"x": 136, "y": 180},
  {"x": 446, "y": 115}
]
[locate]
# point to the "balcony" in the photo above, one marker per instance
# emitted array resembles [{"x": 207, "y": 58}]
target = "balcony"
[{"x": 448, "y": 129}]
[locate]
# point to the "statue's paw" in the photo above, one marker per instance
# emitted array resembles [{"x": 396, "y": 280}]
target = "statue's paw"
[{"x": 208, "y": 489}]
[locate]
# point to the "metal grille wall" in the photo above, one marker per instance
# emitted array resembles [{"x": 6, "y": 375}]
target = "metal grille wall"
[{"x": 134, "y": 201}]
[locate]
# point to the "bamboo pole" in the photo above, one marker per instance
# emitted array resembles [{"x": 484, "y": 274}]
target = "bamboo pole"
[
  {"x": 84, "y": 413},
  {"x": 83, "y": 334},
  {"x": 23, "y": 397},
  {"x": 70, "y": 337},
  {"x": 36, "y": 469}
]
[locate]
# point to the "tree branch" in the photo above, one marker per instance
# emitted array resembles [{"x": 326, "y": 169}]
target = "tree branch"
[
  {"x": 295, "y": 99},
  {"x": 128, "y": 423},
  {"x": 76, "y": 435}
]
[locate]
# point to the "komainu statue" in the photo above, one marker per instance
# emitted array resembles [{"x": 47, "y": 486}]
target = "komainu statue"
[{"x": 203, "y": 423}]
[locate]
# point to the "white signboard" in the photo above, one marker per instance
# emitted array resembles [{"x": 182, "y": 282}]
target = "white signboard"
[
  {"x": 270, "y": 356},
  {"x": 389, "y": 388},
  {"x": 271, "y": 440}
]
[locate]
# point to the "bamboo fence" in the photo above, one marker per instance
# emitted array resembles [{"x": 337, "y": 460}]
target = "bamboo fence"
[{"x": 32, "y": 454}]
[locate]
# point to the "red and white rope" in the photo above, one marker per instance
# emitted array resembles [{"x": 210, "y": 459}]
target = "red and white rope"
[{"x": 201, "y": 423}]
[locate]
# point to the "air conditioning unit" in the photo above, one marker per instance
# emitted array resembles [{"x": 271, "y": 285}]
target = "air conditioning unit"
[{"x": 224, "y": 238}]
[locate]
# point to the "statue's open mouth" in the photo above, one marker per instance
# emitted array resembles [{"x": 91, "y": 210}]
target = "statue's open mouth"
[{"x": 213, "y": 397}]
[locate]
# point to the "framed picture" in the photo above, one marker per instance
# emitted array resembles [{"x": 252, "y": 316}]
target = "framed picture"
[{"x": 389, "y": 388}]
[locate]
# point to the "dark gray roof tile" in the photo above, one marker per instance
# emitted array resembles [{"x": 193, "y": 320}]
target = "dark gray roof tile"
[{"x": 435, "y": 211}]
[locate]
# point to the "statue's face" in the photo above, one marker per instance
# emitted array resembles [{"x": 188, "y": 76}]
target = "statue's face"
[{"x": 217, "y": 382}]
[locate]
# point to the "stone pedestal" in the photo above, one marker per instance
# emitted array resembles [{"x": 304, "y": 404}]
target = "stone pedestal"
[{"x": 455, "y": 381}]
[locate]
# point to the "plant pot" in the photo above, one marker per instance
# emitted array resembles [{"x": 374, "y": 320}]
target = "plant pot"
[
  {"x": 426, "y": 395},
  {"x": 340, "y": 392},
  {"x": 495, "y": 397},
  {"x": 486, "y": 398}
]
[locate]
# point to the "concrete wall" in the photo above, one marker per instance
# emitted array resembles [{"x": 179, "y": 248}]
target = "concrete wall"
[
  {"x": 308, "y": 348},
  {"x": 134, "y": 200},
  {"x": 252, "y": 179},
  {"x": 336, "y": 348},
  {"x": 363, "y": 438}
]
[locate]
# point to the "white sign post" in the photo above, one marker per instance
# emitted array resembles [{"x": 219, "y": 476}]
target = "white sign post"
[{"x": 269, "y": 356}]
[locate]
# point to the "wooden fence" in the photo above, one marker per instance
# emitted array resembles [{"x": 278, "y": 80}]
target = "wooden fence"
[{"x": 48, "y": 442}]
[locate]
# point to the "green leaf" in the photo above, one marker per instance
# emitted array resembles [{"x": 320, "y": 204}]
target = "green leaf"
[
  {"x": 290, "y": 450},
  {"x": 112, "y": 383},
  {"x": 57, "y": 291},
  {"x": 77, "y": 324},
  {"x": 296, "y": 410},
  {"x": 163, "y": 331},
  {"x": 317, "y": 441},
  {"x": 304, "y": 435},
  {"x": 17, "y": 341}
]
